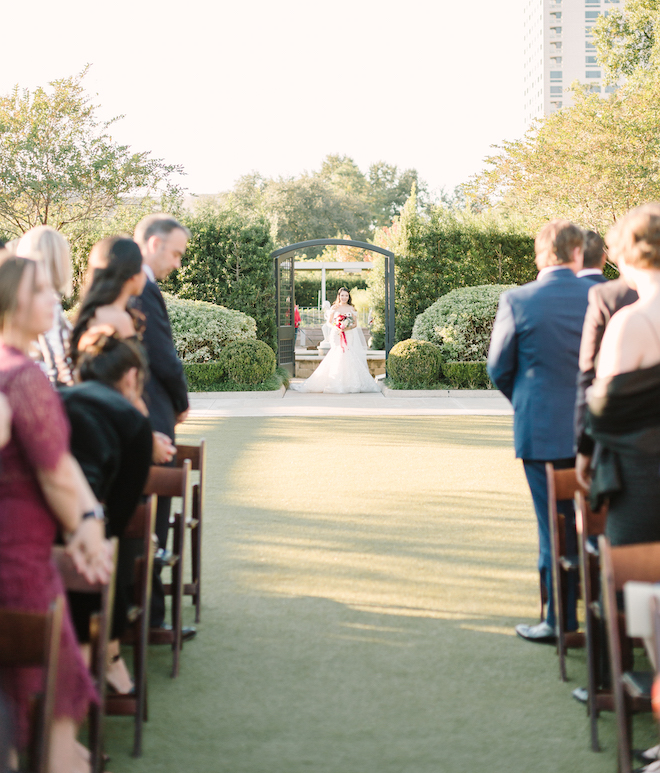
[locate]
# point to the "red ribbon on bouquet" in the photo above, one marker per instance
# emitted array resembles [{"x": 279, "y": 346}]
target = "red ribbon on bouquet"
[{"x": 339, "y": 321}]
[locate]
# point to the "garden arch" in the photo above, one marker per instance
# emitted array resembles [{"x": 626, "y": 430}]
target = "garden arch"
[{"x": 285, "y": 300}]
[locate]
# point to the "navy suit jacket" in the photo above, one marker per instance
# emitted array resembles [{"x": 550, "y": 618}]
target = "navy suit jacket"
[
  {"x": 533, "y": 360},
  {"x": 166, "y": 391},
  {"x": 593, "y": 278}
]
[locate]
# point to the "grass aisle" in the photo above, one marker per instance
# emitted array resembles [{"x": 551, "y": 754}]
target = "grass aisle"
[{"x": 362, "y": 580}]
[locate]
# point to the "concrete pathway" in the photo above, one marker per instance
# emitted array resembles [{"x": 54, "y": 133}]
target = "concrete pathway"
[{"x": 291, "y": 403}]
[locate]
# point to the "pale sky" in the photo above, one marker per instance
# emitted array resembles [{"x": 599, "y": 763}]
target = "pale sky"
[{"x": 275, "y": 85}]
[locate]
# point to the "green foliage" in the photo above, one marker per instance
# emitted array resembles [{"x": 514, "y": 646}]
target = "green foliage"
[
  {"x": 466, "y": 375},
  {"x": 60, "y": 166},
  {"x": 207, "y": 377},
  {"x": 626, "y": 39},
  {"x": 307, "y": 288},
  {"x": 337, "y": 199},
  {"x": 415, "y": 363},
  {"x": 202, "y": 330},
  {"x": 228, "y": 262},
  {"x": 246, "y": 362},
  {"x": 461, "y": 322},
  {"x": 441, "y": 252}
]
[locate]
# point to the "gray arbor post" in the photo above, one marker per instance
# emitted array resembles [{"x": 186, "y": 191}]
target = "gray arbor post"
[{"x": 283, "y": 265}]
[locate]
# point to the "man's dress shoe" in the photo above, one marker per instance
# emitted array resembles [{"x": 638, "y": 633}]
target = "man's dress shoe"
[
  {"x": 162, "y": 634},
  {"x": 542, "y": 633}
]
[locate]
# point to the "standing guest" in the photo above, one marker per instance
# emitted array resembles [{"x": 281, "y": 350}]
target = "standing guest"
[
  {"x": 624, "y": 417},
  {"x": 595, "y": 258},
  {"x": 533, "y": 360},
  {"x": 48, "y": 246},
  {"x": 163, "y": 241},
  {"x": 42, "y": 489}
]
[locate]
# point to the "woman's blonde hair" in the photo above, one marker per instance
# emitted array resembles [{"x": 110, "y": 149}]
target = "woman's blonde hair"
[
  {"x": 48, "y": 246},
  {"x": 636, "y": 237}
]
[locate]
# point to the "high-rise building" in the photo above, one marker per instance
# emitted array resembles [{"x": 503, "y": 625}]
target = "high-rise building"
[{"x": 559, "y": 49}]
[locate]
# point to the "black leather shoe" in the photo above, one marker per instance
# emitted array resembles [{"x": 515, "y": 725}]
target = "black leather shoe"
[
  {"x": 541, "y": 633},
  {"x": 163, "y": 634}
]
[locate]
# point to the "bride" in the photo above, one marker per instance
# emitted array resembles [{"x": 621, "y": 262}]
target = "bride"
[{"x": 344, "y": 368}]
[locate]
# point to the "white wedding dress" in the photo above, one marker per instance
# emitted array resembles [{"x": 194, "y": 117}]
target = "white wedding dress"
[{"x": 344, "y": 368}]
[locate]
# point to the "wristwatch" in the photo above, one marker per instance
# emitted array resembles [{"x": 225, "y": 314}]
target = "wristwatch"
[{"x": 97, "y": 512}]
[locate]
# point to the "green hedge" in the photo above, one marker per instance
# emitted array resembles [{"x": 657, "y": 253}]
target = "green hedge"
[
  {"x": 202, "y": 330},
  {"x": 461, "y": 322},
  {"x": 207, "y": 377},
  {"x": 466, "y": 375},
  {"x": 415, "y": 363},
  {"x": 307, "y": 288},
  {"x": 246, "y": 362},
  {"x": 228, "y": 262}
]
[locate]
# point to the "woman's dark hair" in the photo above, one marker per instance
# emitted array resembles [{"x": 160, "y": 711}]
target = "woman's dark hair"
[
  {"x": 124, "y": 261},
  {"x": 107, "y": 358},
  {"x": 339, "y": 292}
]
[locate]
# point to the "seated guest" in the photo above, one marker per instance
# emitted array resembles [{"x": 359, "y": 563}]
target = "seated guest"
[
  {"x": 595, "y": 258},
  {"x": 106, "y": 299},
  {"x": 48, "y": 246},
  {"x": 111, "y": 440},
  {"x": 624, "y": 401},
  {"x": 114, "y": 277},
  {"x": 42, "y": 489}
]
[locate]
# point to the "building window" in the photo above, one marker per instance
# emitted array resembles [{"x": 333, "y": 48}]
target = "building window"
[
  {"x": 556, "y": 46},
  {"x": 555, "y": 75},
  {"x": 610, "y": 89},
  {"x": 588, "y": 32},
  {"x": 591, "y": 15},
  {"x": 595, "y": 87},
  {"x": 555, "y": 60},
  {"x": 590, "y": 46},
  {"x": 555, "y": 16},
  {"x": 593, "y": 73},
  {"x": 591, "y": 60},
  {"x": 556, "y": 90},
  {"x": 555, "y": 30}
]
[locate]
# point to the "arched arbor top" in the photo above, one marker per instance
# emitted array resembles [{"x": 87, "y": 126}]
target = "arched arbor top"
[{"x": 331, "y": 242}]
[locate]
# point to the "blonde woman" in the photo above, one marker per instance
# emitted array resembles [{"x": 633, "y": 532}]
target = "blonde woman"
[{"x": 51, "y": 249}]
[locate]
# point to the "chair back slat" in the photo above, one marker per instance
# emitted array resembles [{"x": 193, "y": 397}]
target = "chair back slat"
[
  {"x": 168, "y": 481},
  {"x": 194, "y": 453},
  {"x": 566, "y": 484},
  {"x": 639, "y": 563}
]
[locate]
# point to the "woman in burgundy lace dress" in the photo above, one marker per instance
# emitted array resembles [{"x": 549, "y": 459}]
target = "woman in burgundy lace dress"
[{"x": 41, "y": 490}]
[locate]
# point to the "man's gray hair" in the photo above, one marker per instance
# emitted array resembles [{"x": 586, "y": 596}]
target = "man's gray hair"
[{"x": 157, "y": 225}]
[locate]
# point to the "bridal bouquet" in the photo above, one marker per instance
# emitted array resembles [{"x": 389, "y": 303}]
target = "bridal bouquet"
[{"x": 343, "y": 322}]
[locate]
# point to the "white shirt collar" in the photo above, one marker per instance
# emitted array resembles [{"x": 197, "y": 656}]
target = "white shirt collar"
[
  {"x": 588, "y": 272},
  {"x": 550, "y": 269},
  {"x": 149, "y": 272}
]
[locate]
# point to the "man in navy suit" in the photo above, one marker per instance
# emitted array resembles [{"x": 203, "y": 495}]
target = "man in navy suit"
[
  {"x": 533, "y": 360},
  {"x": 594, "y": 259},
  {"x": 163, "y": 241}
]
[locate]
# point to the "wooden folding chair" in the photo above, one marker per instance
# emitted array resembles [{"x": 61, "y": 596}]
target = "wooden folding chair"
[
  {"x": 174, "y": 482},
  {"x": 141, "y": 527},
  {"x": 100, "y": 626},
  {"x": 589, "y": 524},
  {"x": 631, "y": 689},
  {"x": 562, "y": 484},
  {"x": 33, "y": 639},
  {"x": 197, "y": 456}
]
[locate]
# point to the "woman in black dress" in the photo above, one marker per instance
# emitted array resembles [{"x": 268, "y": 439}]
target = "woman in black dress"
[{"x": 112, "y": 442}]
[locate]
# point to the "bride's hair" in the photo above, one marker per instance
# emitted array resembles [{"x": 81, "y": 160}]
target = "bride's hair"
[{"x": 339, "y": 292}]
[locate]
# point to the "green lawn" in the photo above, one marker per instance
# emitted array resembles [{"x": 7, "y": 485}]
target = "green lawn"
[{"x": 362, "y": 578}]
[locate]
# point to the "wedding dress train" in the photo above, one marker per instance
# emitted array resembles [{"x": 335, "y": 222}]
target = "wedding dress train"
[{"x": 344, "y": 369}]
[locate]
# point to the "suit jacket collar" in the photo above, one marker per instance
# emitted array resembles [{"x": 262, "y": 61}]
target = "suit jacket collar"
[{"x": 555, "y": 273}]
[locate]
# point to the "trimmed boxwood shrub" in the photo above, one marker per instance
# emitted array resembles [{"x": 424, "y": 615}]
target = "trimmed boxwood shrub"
[
  {"x": 461, "y": 322},
  {"x": 202, "y": 330},
  {"x": 415, "y": 363},
  {"x": 466, "y": 375},
  {"x": 246, "y": 362},
  {"x": 202, "y": 376}
]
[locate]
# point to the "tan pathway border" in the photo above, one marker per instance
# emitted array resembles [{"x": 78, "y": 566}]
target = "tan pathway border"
[{"x": 440, "y": 403}]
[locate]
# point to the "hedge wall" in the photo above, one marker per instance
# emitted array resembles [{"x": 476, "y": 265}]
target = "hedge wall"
[
  {"x": 442, "y": 252},
  {"x": 307, "y": 288}
]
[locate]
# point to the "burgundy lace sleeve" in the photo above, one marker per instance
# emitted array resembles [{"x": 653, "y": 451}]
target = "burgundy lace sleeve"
[{"x": 39, "y": 423}]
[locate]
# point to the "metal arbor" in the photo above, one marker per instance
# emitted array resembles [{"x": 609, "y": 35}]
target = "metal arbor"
[{"x": 285, "y": 300}]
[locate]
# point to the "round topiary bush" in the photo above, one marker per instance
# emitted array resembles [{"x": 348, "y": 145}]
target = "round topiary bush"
[
  {"x": 246, "y": 362},
  {"x": 415, "y": 363},
  {"x": 461, "y": 322}
]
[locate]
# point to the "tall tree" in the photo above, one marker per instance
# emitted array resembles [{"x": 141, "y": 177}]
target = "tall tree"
[
  {"x": 626, "y": 39},
  {"x": 59, "y": 164}
]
